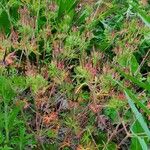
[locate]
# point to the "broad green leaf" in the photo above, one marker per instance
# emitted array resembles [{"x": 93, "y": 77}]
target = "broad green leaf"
[{"x": 138, "y": 115}]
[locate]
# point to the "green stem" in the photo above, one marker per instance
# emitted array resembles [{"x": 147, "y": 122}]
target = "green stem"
[
  {"x": 37, "y": 16},
  {"x": 6, "y": 122}
]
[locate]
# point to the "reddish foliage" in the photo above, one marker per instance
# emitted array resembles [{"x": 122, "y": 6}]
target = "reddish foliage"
[
  {"x": 121, "y": 96},
  {"x": 73, "y": 104},
  {"x": 60, "y": 65},
  {"x": 91, "y": 68},
  {"x": 47, "y": 119},
  {"x": 10, "y": 58},
  {"x": 95, "y": 108}
]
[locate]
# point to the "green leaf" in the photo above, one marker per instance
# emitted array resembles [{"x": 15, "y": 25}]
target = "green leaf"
[
  {"x": 111, "y": 113},
  {"x": 142, "y": 143},
  {"x": 145, "y": 86},
  {"x": 145, "y": 18},
  {"x": 6, "y": 148},
  {"x": 80, "y": 18},
  {"x": 65, "y": 7},
  {"x": 138, "y": 115},
  {"x": 13, "y": 116},
  {"x": 137, "y": 141},
  {"x": 137, "y": 101},
  {"x": 133, "y": 64},
  {"x": 4, "y": 23},
  {"x": 136, "y": 128},
  {"x": 36, "y": 82},
  {"x": 135, "y": 145},
  {"x": 1, "y": 137},
  {"x": 134, "y": 98},
  {"x": 142, "y": 14},
  {"x": 6, "y": 91}
]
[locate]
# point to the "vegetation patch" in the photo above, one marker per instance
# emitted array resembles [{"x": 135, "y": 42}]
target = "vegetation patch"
[{"x": 74, "y": 75}]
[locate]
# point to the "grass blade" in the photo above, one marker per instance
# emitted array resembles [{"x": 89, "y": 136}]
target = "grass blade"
[
  {"x": 142, "y": 14},
  {"x": 138, "y": 115},
  {"x": 142, "y": 143},
  {"x": 145, "y": 86},
  {"x": 137, "y": 101}
]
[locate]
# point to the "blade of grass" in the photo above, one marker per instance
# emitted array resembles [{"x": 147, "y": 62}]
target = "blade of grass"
[
  {"x": 145, "y": 86},
  {"x": 141, "y": 13},
  {"x": 138, "y": 115},
  {"x": 142, "y": 143},
  {"x": 65, "y": 6},
  {"x": 137, "y": 101}
]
